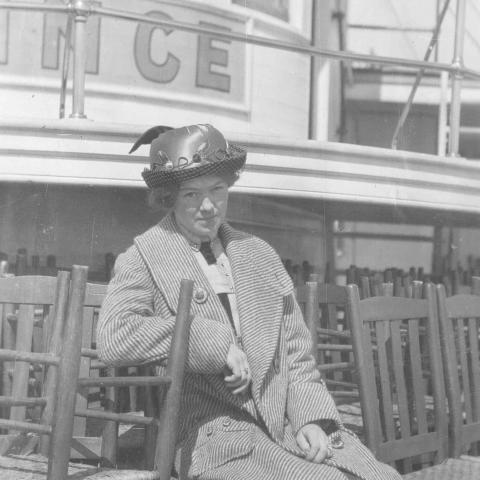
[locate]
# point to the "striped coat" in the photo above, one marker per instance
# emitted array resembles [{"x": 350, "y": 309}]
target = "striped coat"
[{"x": 221, "y": 435}]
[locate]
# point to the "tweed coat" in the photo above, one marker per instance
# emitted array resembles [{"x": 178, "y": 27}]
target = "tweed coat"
[{"x": 221, "y": 435}]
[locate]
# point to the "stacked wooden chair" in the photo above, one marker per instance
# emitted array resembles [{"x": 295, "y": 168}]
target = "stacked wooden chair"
[
  {"x": 62, "y": 357},
  {"x": 402, "y": 386},
  {"x": 460, "y": 330}
]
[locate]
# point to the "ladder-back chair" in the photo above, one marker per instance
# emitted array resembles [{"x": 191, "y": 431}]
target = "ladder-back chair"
[
  {"x": 62, "y": 358},
  {"x": 401, "y": 386},
  {"x": 97, "y": 439},
  {"x": 32, "y": 309},
  {"x": 161, "y": 428},
  {"x": 323, "y": 307}
]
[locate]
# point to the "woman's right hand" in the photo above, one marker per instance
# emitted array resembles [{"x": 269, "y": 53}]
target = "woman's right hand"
[{"x": 238, "y": 375}]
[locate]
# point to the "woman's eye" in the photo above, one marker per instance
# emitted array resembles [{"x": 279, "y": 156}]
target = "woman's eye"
[{"x": 190, "y": 195}]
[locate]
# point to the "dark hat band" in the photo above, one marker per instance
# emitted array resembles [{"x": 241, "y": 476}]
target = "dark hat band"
[{"x": 232, "y": 160}]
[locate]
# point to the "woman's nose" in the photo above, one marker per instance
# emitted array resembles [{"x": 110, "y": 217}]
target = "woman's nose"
[{"x": 206, "y": 204}]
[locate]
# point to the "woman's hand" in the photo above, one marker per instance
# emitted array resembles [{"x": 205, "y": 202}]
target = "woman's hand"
[
  {"x": 237, "y": 375},
  {"x": 314, "y": 442}
]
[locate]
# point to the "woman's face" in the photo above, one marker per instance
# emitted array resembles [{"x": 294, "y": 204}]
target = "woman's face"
[{"x": 201, "y": 206}]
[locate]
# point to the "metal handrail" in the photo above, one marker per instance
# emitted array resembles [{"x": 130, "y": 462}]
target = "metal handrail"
[
  {"x": 81, "y": 9},
  {"x": 251, "y": 39}
]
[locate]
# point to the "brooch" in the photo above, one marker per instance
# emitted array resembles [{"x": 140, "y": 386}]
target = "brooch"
[{"x": 200, "y": 295}]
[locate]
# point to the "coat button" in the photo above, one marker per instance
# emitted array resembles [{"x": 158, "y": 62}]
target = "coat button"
[
  {"x": 285, "y": 422},
  {"x": 209, "y": 431},
  {"x": 227, "y": 422}
]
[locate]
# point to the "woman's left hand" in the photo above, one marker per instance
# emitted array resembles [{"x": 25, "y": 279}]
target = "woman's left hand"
[
  {"x": 314, "y": 442},
  {"x": 237, "y": 374}
]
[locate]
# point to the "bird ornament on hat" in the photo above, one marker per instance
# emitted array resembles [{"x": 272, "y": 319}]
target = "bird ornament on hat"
[{"x": 180, "y": 154}]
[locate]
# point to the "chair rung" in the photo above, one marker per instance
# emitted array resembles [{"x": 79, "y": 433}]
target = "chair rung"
[
  {"x": 23, "y": 401},
  {"x": 123, "y": 381},
  {"x": 32, "y": 357},
  {"x": 89, "y": 352},
  {"x": 13, "y": 317},
  {"x": 335, "y": 366},
  {"x": 334, "y": 346},
  {"x": 344, "y": 394},
  {"x": 116, "y": 417},
  {"x": 97, "y": 365},
  {"x": 334, "y": 333},
  {"x": 339, "y": 383},
  {"x": 25, "y": 426}
]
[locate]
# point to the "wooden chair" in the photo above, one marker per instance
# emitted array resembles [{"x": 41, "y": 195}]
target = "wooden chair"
[
  {"x": 107, "y": 418},
  {"x": 399, "y": 423},
  {"x": 31, "y": 308},
  {"x": 69, "y": 363},
  {"x": 62, "y": 357},
  {"x": 323, "y": 306},
  {"x": 87, "y": 444},
  {"x": 459, "y": 329}
]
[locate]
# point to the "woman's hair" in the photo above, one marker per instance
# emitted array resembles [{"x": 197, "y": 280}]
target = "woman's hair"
[{"x": 164, "y": 197}]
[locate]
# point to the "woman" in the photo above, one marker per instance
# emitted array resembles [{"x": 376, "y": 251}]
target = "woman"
[{"x": 254, "y": 405}]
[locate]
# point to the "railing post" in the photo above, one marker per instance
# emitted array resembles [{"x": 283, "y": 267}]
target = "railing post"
[
  {"x": 457, "y": 77},
  {"x": 81, "y": 10}
]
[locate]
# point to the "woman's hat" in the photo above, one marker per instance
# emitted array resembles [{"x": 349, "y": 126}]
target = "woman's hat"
[{"x": 180, "y": 154}]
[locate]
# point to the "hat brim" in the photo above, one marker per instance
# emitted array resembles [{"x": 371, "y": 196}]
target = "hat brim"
[{"x": 234, "y": 162}]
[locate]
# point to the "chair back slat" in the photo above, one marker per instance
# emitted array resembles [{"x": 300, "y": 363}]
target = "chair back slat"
[
  {"x": 396, "y": 345},
  {"x": 80, "y": 423},
  {"x": 416, "y": 372},
  {"x": 8, "y": 342},
  {"x": 21, "y": 371},
  {"x": 312, "y": 314},
  {"x": 399, "y": 375},
  {"x": 464, "y": 368},
  {"x": 473, "y": 330},
  {"x": 383, "y": 346}
]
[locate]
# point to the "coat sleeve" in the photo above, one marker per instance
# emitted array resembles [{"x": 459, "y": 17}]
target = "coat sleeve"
[{"x": 130, "y": 332}]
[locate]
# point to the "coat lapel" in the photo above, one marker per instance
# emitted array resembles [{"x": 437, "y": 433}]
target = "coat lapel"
[{"x": 259, "y": 303}]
